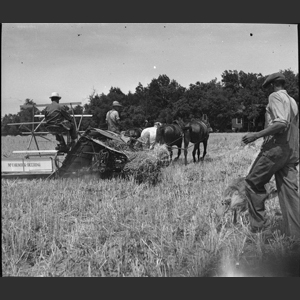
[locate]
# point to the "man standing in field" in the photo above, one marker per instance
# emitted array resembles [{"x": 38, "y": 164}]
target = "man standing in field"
[
  {"x": 113, "y": 118},
  {"x": 279, "y": 156},
  {"x": 56, "y": 114}
]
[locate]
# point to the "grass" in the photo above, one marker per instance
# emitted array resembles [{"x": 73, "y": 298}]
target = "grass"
[{"x": 90, "y": 227}]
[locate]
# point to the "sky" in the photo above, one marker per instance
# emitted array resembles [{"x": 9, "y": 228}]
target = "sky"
[{"x": 77, "y": 59}]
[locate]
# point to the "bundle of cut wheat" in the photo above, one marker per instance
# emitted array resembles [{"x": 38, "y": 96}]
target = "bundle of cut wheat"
[
  {"x": 146, "y": 165},
  {"x": 120, "y": 146}
]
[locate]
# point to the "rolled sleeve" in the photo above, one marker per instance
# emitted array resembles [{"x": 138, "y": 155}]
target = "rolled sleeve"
[{"x": 279, "y": 109}]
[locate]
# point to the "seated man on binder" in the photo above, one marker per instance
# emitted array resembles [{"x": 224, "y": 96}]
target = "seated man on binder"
[{"x": 57, "y": 114}]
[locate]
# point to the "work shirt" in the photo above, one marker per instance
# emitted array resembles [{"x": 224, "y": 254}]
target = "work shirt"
[
  {"x": 283, "y": 108},
  {"x": 56, "y": 113},
  {"x": 112, "y": 118}
]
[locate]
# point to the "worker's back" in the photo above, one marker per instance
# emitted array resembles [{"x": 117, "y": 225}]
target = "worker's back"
[{"x": 56, "y": 113}]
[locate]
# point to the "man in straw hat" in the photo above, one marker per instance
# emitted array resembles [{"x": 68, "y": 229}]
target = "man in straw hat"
[
  {"x": 57, "y": 114},
  {"x": 113, "y": 118},
  {"x": 279, "y": 156}
]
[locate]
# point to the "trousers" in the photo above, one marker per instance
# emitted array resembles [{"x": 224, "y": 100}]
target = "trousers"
[
  {"x": 274, "y": 159},
  {"x": 73, "y": 135}
]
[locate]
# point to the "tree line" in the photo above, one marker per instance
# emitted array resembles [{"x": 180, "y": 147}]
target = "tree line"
[{"x": 237, "y": 95}]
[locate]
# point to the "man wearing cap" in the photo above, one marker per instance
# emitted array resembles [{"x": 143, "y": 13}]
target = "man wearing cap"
[
  {"x": 57, "y": 114},
  {"x": 113, "y": 118},
  {"x": 279, "y": 156}
]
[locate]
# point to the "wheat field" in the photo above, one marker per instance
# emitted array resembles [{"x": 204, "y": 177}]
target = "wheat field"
[{"x": 90, "y": 227}]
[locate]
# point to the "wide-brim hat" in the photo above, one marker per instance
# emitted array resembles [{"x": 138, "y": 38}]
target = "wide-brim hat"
[
  {"x": 273, "y": 77},
  {"x": 55, "y": 95},
  {"x": 116, "y": 103}
]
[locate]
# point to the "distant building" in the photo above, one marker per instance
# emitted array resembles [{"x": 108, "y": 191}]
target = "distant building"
[
  {"x": 237, "y": 124},
  {"x": 242, "y": 123}
]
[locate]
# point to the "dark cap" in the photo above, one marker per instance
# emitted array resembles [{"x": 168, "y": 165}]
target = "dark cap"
[{"x": 273, "y": 77}]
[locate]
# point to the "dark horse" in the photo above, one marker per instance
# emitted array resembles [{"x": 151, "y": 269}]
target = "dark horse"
[
  {"x": 196, "y": 132},
  {"x": 171, "y": 135}
]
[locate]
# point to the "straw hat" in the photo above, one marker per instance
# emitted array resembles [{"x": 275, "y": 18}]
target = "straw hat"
[{"x": 55, "y": 95}]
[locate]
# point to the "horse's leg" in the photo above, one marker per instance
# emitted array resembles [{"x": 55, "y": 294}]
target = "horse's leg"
[
  {"x": 178, "y": 153},
  {"x": 194, "y": 152},
  {"x": 186, "y": 143},
  {"x": 198, "y": 150},
  {"x": 204, "y": 149}
]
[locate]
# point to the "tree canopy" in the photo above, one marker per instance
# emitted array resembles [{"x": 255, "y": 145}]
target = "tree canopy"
[{"x": 238, "y": 94}]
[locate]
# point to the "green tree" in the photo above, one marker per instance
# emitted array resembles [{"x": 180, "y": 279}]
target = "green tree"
[
  {"x": 7, "y": 129},
  {"x": 98, "y": 106},
  {"x": 182, "y": 109},
  {"x": 230, "y": 80},
  {"x": 292, "y": 83},
  {"x": 28, "y": 110}
]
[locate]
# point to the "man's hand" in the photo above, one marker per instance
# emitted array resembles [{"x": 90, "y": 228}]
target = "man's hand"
[
  {"x": 249, "y": 138},
  {"x": 276, "y": 127}
]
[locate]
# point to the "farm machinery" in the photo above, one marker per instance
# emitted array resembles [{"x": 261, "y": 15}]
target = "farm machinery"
[
  {"x": 95, "y": 151},
  {"x": 92, "y": 154}
]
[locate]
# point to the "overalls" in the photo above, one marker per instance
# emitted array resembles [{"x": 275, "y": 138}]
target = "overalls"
[{"x": 278, "y": 156}]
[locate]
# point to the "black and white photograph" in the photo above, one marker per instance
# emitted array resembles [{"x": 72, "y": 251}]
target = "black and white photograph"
[{"x": 150, "y": 150}]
